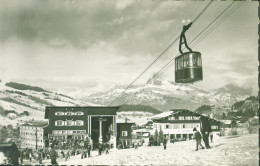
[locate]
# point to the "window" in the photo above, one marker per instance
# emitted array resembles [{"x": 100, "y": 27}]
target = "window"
[
  {"x": 70, "y": 113},
  {"x": 166, "y": 126},
  {"x": 154, "y": 126},
  {"x": 79, "y": 113},
  {"x": 183, "y": 126},
  {"x": 176, "y": 126},
  {"x": 188, "y": 117},
  {"x": 59, "y": 113},
  {"x": 69, "y": 122},
  {"x": 79, "y": 123},
  {"x": 59, "y": 123},
  {"x": 124, "y": 133},
  {"x": 181, "y": 117}
]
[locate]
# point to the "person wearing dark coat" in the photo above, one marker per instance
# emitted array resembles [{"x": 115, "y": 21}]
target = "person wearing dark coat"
[
  {"x": 205, "y": 129},
  {"x": 197, "y": 137},
  {"x": 164, "y": 143},
  {"x": 53, "y": 156},
  {"x": 14, "y": 155}
]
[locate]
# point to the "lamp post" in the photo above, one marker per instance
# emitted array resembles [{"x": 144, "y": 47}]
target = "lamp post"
[{"x": 101, "y": 119}]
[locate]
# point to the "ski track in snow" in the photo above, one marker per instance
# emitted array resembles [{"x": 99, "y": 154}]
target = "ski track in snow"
[{"x": 225, "y": 151}]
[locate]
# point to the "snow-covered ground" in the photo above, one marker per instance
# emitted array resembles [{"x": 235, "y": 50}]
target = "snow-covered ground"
[{"x": 236, "y": 150}]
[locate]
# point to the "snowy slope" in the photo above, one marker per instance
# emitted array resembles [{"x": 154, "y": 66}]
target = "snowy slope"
[{"x": 34, "y": 102}]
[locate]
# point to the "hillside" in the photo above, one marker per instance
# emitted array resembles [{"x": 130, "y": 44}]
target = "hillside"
[
  {"x": 19, "y": 102},
  {"x": 164, "y": 95}
]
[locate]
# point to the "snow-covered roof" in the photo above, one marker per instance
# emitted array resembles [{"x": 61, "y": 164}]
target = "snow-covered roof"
[
  {"x": 226, "y": 121},
  {"x": 162, "y": 115},
  {"x": 36, "y": 123},
  {"x": 141, "y": 130}
]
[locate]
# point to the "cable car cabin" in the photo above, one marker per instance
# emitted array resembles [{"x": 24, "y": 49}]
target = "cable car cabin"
[{"x": 188, "y": 67}]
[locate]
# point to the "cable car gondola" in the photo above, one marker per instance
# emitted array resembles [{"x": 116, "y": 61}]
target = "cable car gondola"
[{"x": 188, "y": 65}]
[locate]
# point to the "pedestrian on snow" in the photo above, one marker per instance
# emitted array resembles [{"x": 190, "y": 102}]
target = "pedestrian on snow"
[
  {"x": 205, "y": 130},
  {"x": 88, "y": 148},
  {"x": 100, "y": 149},
  {"x": 107, "y": 148},
  {"x": 164, "y": 143},
  {"x": 197, "y": 137},
  {"x": 82, "y": 153},
  {"x": 53, "y": 156},
  {"x": 211, "y": 136},
  {"x": 21, "y": 156}
]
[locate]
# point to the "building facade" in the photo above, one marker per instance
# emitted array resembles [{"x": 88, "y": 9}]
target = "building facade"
[
  {"x": 78, "y": 123},
  {"x": 124, "y": 134},
  {"x": 34, "y": 134},
  {"x": 179, "y": 123}
]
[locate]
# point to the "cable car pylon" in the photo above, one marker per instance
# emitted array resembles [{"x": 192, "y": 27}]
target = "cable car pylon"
[{"x": 188, "y": 65}]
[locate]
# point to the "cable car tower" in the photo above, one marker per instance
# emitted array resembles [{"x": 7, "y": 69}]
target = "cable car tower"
[{"x": 188, "y": 65}]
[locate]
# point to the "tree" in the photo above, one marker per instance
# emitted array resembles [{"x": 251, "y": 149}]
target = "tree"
[
  {"x": 160, "y": 135},
  {"x": 156, "y": 136},
  {"x": 3, "y": 134}
]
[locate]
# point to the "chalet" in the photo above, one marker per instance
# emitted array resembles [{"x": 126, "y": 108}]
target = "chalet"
[
  {"x": 34, "y": 134},
  {"x": 179, "y": 123},
  {"x": 124, "y": 133},
  {"x": 98, "y": 123}
]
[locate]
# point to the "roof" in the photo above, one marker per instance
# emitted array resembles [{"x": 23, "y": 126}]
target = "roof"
[
  {"x": 89, "y": 109},
  {"x": 226, "y": 121},
  {"x": 173, "y": 112},
  {"x": 142, "y": 130},
  {"x": 164, "y": 115},
  {"x": 41, "y": 124}
]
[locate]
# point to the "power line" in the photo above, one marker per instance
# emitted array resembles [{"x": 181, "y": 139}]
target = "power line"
[
  {"x": 217, "y": 24},
  {"x": 198, "y": 16}
]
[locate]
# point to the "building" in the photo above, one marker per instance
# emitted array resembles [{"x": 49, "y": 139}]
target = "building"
[
  {"x": 78, "y": 123},
  {"x": 179, "y": 123},
  {"x": 124, "y": 133},
  {"x": 34, "y": 134}
]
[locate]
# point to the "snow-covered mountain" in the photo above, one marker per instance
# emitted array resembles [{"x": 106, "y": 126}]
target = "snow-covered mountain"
[
  {"x": 19, "y": 102},
  {"x": 164, "y": 95}
]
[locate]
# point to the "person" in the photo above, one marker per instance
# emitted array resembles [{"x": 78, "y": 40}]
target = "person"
[
  {"x": 136, "y": 145},
  {"x": 164, "y": 143},
  {"x": 197, "y": 137},
  {"x": 14, "y": 155},
  {"x": 100, "y": 149},
  {"x": 53, "y": 156},
  {"x": 82, "y": 153},
  {"x": 40, "y": 156},
  {"x": 107, "y": 148},
  {"x": 211, "y": 136},
  {"x": 67, "y": 155},
  {"x": 89, "y": 148},
  {"x": 21, "y": 156},
  {"x": 205, "y": 129}
]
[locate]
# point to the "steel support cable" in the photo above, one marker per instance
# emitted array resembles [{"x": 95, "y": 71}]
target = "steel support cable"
[
  {"x": 198, "y": 16},
  {"x": 157, "y": 74},
  {"x": 219, "y": 22}
]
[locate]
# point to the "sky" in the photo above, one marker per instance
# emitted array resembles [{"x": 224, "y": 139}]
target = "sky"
[{"x": 81, "y": 47}]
